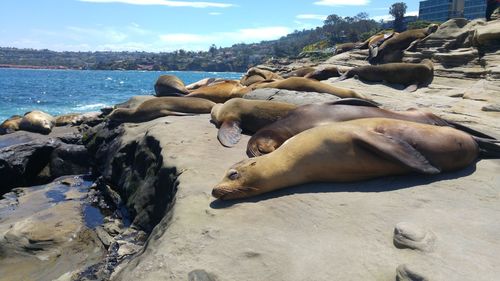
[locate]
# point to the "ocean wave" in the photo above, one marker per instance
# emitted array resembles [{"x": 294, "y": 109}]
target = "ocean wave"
[{"x": 90, "y": 106}]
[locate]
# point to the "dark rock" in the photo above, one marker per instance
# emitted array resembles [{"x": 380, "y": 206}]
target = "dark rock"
[{"x": 69, "y": 159}]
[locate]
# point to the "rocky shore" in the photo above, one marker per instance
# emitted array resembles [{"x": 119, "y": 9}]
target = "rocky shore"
[{"x": 147, "y": 213}]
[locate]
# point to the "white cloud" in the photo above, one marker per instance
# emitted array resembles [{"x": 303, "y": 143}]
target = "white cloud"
[
  {"x": 246, "y": 35},
  {"x": 82, "y": 34},
  {"x": 215, "y": 14},
  {"x": 411, "y": 13},
  {"x": 342, "y": 2},
  {"x": 311, "y": 17},
  {"x": 165, "y": 3}
]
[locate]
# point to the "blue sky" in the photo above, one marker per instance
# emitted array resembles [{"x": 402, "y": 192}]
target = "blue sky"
[{"x": 164, "y": 25}]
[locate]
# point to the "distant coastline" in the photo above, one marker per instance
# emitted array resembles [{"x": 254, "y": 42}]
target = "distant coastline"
[{"x": 17, "y": 66}]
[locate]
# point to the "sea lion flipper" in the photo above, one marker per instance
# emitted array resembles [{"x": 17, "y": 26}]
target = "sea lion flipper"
[
  {"x": 411, "y": 88},
  {"x": 356, "y": 102},
  {"x": 229, "y": 133},
  {"x": 397, "y": 149},
  {"x": 373, "y": 51}
]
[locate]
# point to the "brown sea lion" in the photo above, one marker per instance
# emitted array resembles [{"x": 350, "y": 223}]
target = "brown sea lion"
[
  {"x": 170, "y": 85},
  {"x": 342, "y": 48},
  {"x": 308, "y": 85},
  {"x": 325, "y": 73},
  {"x": 411, "y": 75},
  {"x": 68, "y": 119},
  {"x": 203, "y": 83},
  {"x": 269, "y": 138},
  {"x": 10, "y": 125},
  {"x": 160, "y": 107},
  {"x": 353, "y": 151},
  {"x": 301, "y": 72},
  {"x": 237, "y": 115},
  {"x": 400, "y": 42},
  {"x": 376, "y": 40},
  {"x": 220, "y": 92},
  {"x": 37, "y": 122},
  {"x": 256, "y": 74}
]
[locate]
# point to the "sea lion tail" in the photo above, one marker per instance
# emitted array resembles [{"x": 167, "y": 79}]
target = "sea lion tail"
[
  {"x": 488, "y": 148},
  {"x": 469, "y": 130}
]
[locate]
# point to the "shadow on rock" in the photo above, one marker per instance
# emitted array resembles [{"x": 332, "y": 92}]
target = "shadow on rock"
[{"x": 376, "y": 185}]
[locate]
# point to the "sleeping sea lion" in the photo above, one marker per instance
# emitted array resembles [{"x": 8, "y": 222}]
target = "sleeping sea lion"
[
  {"x": 342, "y": 48},
  {"x": 411, "y": 75},
  {"x": 353, "y": 151},
  {"x": 37, "y": 122},
  {"x": 325, "y": 73},
  {"x": 308, "y": 85},
  {"x": 400, "y": 42},
  {"x": 269, "y": 138},
  {"x": 256, "y": 74},
  {"x": 301, "y": 72},
  {"x": 160, "y": 107},
  {"x": 203, "y": 83},
  {"x": 376, "y": 40},
  {"x": 220, "y": 92},
  {"x": 170, "y": 85},
  {"x": 239, "y": 114},
  {"x": 10, "y": 125}
]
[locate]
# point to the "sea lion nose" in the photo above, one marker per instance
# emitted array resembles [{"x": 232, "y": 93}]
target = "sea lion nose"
[{"x": 217, "y": 192}]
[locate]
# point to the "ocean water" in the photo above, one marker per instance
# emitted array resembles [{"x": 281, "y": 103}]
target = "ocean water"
[{"x": 67, "y": 91}]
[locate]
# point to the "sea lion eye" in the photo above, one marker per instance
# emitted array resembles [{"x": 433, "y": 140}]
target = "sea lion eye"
[{"x": 233, "y": 174}]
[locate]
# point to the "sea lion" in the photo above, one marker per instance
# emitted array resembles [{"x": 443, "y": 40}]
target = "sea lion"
[
  {"x": 400, "y": 42},
  {"x": 353, "y": 151},
  {"x": 411, "y": 75},
  {"x": 203, "y": 82},
  {"x": 256, "y": 74},
  {"x": 342, "y": 48},
  {"x": 68, "y": 119},
  {"x": 220, "y": 92},
  {"x": 269, "y": 138},
  {"x": 374, "y": 40},
  {"x": 324, "y": 73},
  {"x": 301, "y": 72},
  {"x": 10, "y": 125},
  {"x": 159, "y": 107},
  {"x": 170, "y": 85},
  {"x": 37, "y": 122},
  {"x": 239, "y": 114},
  {"x": 309, "y": 85}
]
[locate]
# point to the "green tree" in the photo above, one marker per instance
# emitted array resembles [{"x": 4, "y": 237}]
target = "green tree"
[{"x": 398, "y": 11}]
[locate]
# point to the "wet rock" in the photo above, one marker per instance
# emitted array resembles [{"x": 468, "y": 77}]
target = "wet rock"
[
  {"x": 294, "y": 97},
  {"x": 69, "y": 159},
  {"x": 408, "y": 235},
  {"x": 44, "y": 235},
  {"x": 103, "y": 235},
  {"x": 405, "y": 273}
]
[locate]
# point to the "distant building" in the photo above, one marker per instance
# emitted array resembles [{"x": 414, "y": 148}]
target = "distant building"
[
  {"x": 440, "y": 10},
  {"x": 443, "y": 10},
  {"x": 406, "y": 21},
  {"x": 475, "y": 9}
]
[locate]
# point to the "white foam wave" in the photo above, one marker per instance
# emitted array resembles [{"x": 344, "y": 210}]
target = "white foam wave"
[{"x": 90, "y": 106}]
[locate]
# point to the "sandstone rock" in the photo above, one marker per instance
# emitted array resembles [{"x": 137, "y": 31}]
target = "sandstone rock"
[{"x": 487, "y": 34}]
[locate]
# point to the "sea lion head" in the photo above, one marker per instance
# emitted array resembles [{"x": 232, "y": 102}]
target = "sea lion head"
[
  {"x": 264, "y": 142},
  {"x": 432, "y": 28},
  {"x": 241, "y": 180},
  {"x": 120, "y": 114},
  {"x": 215, "y": 112}
]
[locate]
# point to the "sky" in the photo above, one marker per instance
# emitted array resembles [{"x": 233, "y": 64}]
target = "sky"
[{"x": 164, "y": 25}]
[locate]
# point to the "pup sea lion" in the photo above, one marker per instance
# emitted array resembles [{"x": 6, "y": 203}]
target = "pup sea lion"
[
  {"x": 159, "y": 107},
  {"x": 353, "y": 151},
  {"x": 170, "y": 85},
  {"x": 37, "y": 122},
  {"x": 400, "y": 42},
  {"x": 309, "y": 85},
  {"x": 301, "y": 72},
  {"x": 269, "y": 138},
  {"x": 256, "y": 74},
  {"x": 10, "y": 125},
  {"x": 240, "y": 114},
  {"x": 220, "y": 92},
  {"x": 324, "y": 73},
  {"x": 411, "y": 75}
]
